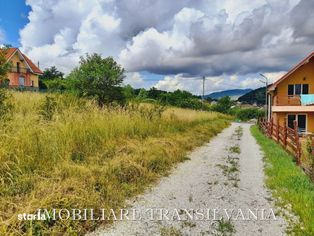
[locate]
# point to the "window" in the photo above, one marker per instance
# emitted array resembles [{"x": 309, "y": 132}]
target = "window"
[
  {"x": 18, "y": 67},
  {"x": 301, "y": 120},
  {"x": 32, "y": 83},
  {"x": 291, "y": 119},
  {"x": 302, "y": 123},
  {"x": 298, "y": 89},
  {"x": 305, "y": 89},
  {"x": 290, "y": 90},
  {"x": 21, "y": 81}
]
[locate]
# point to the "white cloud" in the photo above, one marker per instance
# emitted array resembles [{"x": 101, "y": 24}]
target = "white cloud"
[
  {"x": 213, "y": 44},
  {"x": 172, "y": 83},
  {"x": 229, "y": 41},
  {"x": 214, "y": 83},
  {"x": 134, "y": 79},
  {"x": 58, "y": 33},
  {"x": 274, "y": 76}
]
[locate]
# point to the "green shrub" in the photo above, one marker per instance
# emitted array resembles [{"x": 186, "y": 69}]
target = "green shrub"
[
  {"x": 223, "y": 105},
  {"x": 248, "y": 113},
  {"x": 56, "y": 85}
]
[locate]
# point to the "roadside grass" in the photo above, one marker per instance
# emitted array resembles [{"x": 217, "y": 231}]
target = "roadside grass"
[
  {"x": 289, "y": 184},
  {"x": 66, "y": 153}
]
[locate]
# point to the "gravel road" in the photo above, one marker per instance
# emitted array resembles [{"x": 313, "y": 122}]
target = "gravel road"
[{"x": 223, "y": 180}]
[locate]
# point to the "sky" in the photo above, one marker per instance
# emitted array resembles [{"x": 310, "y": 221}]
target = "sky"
[{"x": 166, "y": 44}]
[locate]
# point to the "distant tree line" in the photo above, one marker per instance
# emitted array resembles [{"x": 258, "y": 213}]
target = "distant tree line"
[{"x": 102, "y": 79}]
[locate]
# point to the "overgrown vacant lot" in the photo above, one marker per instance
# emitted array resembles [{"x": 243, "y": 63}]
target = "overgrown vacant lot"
[{"x": 68, "y": 153}]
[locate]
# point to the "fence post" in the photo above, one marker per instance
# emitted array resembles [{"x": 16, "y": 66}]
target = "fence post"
[
  {"x": 277, "y": 131},
  {"x": 259, "y": 122},
  {"x": 297, "y": 142},
  {"x": 271, "y": 128},
  {"x": 285, "y": 133}
]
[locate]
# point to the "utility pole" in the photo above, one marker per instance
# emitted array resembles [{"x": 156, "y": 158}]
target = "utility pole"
[
  {"x": 203, "y": 94},
  {"x": 266, "y": 95}
]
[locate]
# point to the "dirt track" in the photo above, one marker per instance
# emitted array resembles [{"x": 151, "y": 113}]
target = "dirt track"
[{"x": 225, "y": 174}]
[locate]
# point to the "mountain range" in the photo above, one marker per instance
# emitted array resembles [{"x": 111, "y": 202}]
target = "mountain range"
[{"x": 233, "y": 93}]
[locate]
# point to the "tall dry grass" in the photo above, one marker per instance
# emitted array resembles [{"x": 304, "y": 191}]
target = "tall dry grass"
[{"x": 86, "y": 157}]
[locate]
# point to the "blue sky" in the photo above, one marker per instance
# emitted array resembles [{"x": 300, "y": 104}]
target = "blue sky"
[{"x": 13, "y": 17}]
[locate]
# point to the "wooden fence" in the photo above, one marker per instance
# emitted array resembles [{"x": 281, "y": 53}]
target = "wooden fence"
[{"x": 286, "y": 136}]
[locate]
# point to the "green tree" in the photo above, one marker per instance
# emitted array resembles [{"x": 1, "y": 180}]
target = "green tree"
[
  {"x": 51, "y": 73},
  {"x": 99, "y": 78},
  {"x": 4, "y": 66},
  {"x": 143, "y": 94},
  {"x": 51, "y": 78},
  {"x": 128, "y": 92},
  {"x": 154, "y": 93},
  {"x": 223, "y": 105}
]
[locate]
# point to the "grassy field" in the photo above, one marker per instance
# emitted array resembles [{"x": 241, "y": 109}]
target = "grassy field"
[
  {"x": 289, "y": 183},
  {"x": 68, "y": 153}
]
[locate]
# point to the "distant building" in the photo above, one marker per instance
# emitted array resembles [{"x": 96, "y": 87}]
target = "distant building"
[{"x": 24, "y": 73}]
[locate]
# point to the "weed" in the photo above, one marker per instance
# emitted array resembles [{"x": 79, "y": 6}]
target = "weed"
[
  {"x": 239, "y": 132},
  {"x": 231, "y": 170},
  {"x": 170, "y": 231},
  {"x": 189, "y": 224},
  {"x": 225, "y": 227},
  {"x": 235, "y": 149}
]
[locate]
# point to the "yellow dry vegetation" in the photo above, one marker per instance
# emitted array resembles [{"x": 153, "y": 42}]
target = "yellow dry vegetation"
[{"x": 86, "y": 157}]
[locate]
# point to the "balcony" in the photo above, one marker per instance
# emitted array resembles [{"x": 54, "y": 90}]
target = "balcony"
[
  {"x": 20, "y": 70},
  {"x": 287, "y": 101},
  {"x": 304, "y": 103}
]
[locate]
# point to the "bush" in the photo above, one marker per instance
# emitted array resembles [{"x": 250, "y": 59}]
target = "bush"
[
  {"x": 56, "y": 85},
  {"x": 223, "y": 105},
  {"x": 248, "y": 113}
]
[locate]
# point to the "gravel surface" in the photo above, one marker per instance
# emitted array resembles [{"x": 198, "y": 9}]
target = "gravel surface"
[{"x": 225, "y": 174}]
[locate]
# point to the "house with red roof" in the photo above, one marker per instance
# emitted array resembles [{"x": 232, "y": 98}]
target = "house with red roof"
[
  {"x": 24, "y": 73},
  {"x": 292, "y": 97}
]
